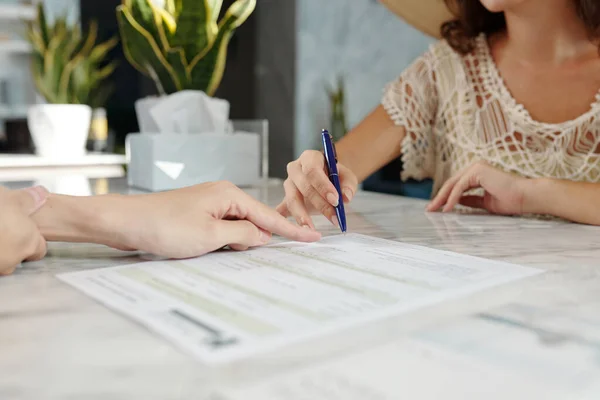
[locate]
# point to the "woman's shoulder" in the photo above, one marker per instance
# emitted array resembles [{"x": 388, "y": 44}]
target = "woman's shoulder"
[
  {"x": 453, "y": 69},
  {"x": 442, "y": 52}
]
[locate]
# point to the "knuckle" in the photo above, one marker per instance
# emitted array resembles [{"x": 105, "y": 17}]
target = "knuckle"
[
  {"x": 290, "y": 167},
  {"x": 294, "y": 205},
  {"x": 321, "y": 186},
  {"x": 290, "y": 188},
  {"x": 310, "y": 193},
  {"x": 307, "y": 154},
  {"x": 312, "y": 173},
  {"x": 312, "y": 157},
  {"x": 292, "y": 202},
  {"x": 225, "y": 185},
  {"x": 287, "y": 184}
]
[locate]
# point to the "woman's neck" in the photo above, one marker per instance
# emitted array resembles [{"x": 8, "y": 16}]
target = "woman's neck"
[{"x": 542, "y": 33}]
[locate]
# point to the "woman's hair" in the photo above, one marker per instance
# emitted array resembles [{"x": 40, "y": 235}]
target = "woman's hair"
[{"x": 472, "y": 19}]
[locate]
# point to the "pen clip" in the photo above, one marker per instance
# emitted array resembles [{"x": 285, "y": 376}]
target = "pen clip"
[{"x": 335, "y": 158}]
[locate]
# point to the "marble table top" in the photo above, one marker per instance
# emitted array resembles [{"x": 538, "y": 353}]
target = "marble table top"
[{"x": 56, "y": 343}]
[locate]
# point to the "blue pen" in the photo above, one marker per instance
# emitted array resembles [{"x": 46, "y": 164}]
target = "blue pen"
[{"x": 331, "y": 161}]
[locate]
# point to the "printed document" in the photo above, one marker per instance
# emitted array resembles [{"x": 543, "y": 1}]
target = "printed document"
[
  {"x": 227, "y": 306},
  {"x": 517, "y": 351}
]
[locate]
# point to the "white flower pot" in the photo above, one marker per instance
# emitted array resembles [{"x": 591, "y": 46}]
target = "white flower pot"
[{"x": 59, "y": 130}]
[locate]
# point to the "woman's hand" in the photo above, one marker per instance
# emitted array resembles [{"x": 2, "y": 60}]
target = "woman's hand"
[
  {"x": 504, "y": 193},
  {"x": 196, "y": 220},
  {"x": 20, "y": 238},
  {"x": 308, "y": 189}
]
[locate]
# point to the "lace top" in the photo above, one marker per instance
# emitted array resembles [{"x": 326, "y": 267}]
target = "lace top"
[{"x": 457, "y": 110}]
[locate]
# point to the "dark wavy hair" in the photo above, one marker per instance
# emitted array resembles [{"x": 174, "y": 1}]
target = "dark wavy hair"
[{"x": 472, "y": 19}]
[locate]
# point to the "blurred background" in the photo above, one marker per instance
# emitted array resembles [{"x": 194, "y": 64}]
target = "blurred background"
[{"x": 302, "y": 65}]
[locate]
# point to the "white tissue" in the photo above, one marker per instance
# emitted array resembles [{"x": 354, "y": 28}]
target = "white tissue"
[{"x": 191, "y": 111}]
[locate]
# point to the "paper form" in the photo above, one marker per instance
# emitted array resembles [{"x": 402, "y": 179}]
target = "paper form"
[
  {"x": 227, "y": 306},
  {"x": 515, "y": 352}
]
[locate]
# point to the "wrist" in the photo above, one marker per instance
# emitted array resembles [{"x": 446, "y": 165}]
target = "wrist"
[
  {"x": 92, "y": 219},
  {"x": 535, "y": 195}
]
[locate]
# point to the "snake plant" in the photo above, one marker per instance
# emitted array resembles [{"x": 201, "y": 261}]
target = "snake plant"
[
  {"x": 182, "y": 45},
  {"x": 68, "y": 67}
]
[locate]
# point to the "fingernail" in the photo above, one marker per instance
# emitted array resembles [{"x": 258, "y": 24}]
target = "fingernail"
[
  {"x": 348, "y": 193},
  {"x": 39, "y": 194},
  {"x": 333, "y": 199},
  {"x": 307, "y": 227},
  {"x": 334, "y": 221}
]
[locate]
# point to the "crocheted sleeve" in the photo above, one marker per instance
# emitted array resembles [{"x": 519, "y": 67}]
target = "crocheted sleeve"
[{"x": 411, "y": 102}]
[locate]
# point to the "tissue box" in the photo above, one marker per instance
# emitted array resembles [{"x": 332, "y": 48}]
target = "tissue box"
[{"x": 164, "y": 161}]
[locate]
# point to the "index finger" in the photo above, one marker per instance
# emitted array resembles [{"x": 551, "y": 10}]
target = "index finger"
[
  {"x": 270, "y": 220},
  {"x": 315, "y": 172}
]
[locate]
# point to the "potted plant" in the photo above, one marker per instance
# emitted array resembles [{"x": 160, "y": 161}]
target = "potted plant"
[
  {"x": 69, "y": 71},
  {"x": 182, "y": 47}
]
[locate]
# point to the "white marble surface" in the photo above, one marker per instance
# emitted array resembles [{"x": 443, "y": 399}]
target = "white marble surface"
[{"x": 55, "y": 343}]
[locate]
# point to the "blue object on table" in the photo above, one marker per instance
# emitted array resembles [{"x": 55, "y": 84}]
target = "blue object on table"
[
  {"x": 387, "y": 180},
  {"x": 332, "y": 171}
]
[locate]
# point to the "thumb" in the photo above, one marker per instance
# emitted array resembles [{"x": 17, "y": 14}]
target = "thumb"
[
  {"x": 32, "y": 199},
  {"x": 241, "y": 234}
]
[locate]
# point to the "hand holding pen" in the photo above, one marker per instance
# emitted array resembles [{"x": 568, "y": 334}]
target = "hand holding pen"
[{"x": 309, "y": 190}]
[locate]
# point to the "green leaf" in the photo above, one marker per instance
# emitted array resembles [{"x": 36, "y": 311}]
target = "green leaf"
[
  {"x": 65, "y": 79},
  {"x": 143, "y": 12},
  {"x": 106, "y": 71},
  {"x": 215, "y": 9},
  {"x": 90, "y": 41},
  {"x": 60, "y": 26},
  {"x": 180, "y": 46},
  {"x": 170, "y": 7},
  {"x": 53, "y": 64},
  {"x": 41, "y": 21},
  {"x": 35, "y": 39},
  {"x": 207, "y": 71},
  {"x": 67, "y": 69},
  {"x": 196, "y": 30},
  {"x": 144, "y": 54},
  {"x": 37, "y": 66},
  {"x": 100, "y": 51},
  {"x": 175, "y": 56}
]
